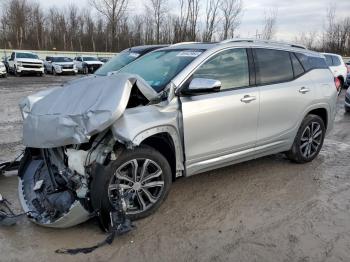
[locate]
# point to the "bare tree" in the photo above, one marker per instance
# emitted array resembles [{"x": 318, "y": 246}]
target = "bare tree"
[
  {"x": 211, "y": 20},
  {"x": 308, "y": 39},
  {"x": 231, "y": 10},
  {"x": 159, "y": 9},
  {"x": 269, "y": 30},
  {"x": 192, "y": 18},
  {"x": 180, "y": 23},
  {"x": 113, "y": 10}
]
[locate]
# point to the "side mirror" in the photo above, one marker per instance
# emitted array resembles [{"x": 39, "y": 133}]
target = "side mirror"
[{"x": 202, "y": 86}]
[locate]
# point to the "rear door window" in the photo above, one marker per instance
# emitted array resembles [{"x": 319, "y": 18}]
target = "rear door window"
[
  {"x": 273, "y": 66},
  {"x": 230, "y": 67},
  {"x": 297, "y": 67},
  {"x": 329, "y": 60}
]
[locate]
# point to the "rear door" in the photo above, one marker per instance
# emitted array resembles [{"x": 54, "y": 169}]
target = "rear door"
[
  {"x": 285, "y": 93},
  {"x": 218, "y": 127}
]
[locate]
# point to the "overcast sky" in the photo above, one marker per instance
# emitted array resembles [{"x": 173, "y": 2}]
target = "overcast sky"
[{"x": 294, "y": 16}]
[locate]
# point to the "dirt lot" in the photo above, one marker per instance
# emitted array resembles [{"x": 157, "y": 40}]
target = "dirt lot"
[{"x": 263, "y": 210}]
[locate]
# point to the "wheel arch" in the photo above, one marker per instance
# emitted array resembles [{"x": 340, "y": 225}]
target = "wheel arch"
[
  {"x": 166, "y": 140},
  {"x": 163, "y": 143},
  {"x": 321, "y": 112}
]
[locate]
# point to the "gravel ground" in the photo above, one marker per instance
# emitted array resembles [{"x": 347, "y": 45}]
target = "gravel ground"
[{"x": 268, "y": 209}]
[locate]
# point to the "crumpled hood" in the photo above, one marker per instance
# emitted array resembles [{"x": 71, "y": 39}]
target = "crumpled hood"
[{"x": 73, "y": 113}]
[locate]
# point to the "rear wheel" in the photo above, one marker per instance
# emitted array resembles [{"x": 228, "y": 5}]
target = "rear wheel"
[
  {"x": 143, "y": 173},
  {"x": 347, "y": 109},
  {"x": 308, "y": 141}
]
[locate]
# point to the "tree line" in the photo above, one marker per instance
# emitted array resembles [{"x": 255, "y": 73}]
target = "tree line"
[{"x": 112, "y": 25}]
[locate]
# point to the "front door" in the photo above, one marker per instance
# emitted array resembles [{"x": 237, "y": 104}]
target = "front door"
[{"x": 220, "y": 127}]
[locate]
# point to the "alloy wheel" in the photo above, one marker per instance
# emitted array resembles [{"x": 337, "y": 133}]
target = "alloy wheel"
[
  {"x": 142, "y": 179},
  {"x": 311, "y": 139}
]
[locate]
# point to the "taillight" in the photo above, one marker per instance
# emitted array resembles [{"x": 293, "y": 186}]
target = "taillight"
[{"x": 337, "y": 83}]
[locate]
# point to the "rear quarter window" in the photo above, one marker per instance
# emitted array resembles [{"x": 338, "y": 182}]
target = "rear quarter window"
[
  {"x": 336, "y": 61},
  {"x": 312, "y": 62}
]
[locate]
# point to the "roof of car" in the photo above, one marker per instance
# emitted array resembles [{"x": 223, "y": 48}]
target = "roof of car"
[
  {"x": 245, "y": 42},
  {"x": 332, "y": 54},
  {"x": 24, "y": 51}
]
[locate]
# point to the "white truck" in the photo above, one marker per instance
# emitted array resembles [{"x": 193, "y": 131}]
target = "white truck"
[
  {"x": 25, "y": 62},
  {"x": 87, "y": 64}
]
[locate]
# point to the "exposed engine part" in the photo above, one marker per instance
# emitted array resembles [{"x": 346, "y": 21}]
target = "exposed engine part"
[
  {"x": 55, "y": 182},
  {"x": 58, "y": 206}
]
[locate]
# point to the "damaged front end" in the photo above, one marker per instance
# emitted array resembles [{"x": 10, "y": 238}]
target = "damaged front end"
[{"x": 70, "y": 145}]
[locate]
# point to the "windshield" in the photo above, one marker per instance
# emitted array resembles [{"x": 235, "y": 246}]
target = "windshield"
[
  {"x": 117, "y": 62},
  {"x": 26, "y": 55},
  {"x": 160, "y": 67},
  {"x": 88, "y": 58},
  {"x": 61, "y": 59}
]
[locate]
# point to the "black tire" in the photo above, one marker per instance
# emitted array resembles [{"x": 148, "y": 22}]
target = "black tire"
[
  {"x": 99, "y": 185},
  {"x": 295, "y": 154},
  {"x": 347, "y": 109},
  {"x": 15, "y": 72}
]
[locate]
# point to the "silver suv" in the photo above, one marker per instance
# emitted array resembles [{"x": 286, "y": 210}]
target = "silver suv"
[{"x": 177, "y": 111}]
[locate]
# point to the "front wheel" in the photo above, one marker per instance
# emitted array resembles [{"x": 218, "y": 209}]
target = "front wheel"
[
  {"x": 15, "y": 72},
  {"x": 142, "y": 173},
  {"x": 308, "y": 141}
]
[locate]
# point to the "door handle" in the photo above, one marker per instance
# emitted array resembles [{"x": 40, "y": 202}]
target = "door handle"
[
  {"x": 304, "y": 90},
  {"x": 247, "y": 99}
]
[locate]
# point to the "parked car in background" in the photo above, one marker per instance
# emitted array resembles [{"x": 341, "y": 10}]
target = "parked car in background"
[
  {"x": 338, "y": 68},
  {"x": 3, "y": 72},
  {"x": 25, "y": 62},
  {"x": 87, "y": 64},
  {"x": 125, "y": 57},
  {"x": 347, "y": 101},
  {"x": 60, "y": 65},
  {"x": 177, "y": 111},
  {"x": 347, "y": 82},
  {"x": 6, "y": 63}
]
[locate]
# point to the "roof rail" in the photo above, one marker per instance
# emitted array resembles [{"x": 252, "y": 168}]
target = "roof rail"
[
  {"x": 260, "y": 41},
  {"x": 184, "y": 43}
]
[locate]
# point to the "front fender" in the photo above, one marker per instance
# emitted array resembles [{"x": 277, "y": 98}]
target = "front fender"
[{"x": 139, "y": 123}]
